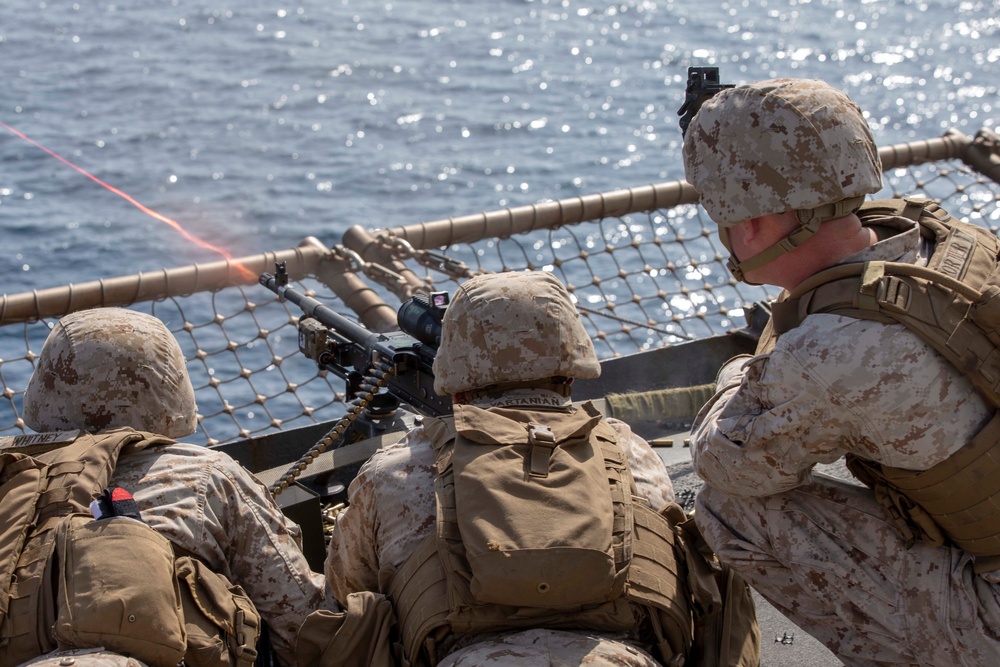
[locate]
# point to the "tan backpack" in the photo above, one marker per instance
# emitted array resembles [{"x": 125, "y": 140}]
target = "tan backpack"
[
  {"x": 551, "y": 493},
  {"x": 539, "y": 526},
  {"x": 69, "y": 581}
]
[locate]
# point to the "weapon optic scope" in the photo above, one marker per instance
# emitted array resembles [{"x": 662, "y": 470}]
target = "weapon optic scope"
[{"x": 421, "y": 316}]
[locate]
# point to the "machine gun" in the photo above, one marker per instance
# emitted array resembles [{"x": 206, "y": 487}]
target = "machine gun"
[
  {"x": 401, "y": 361},
  {"x": 702, "y": 83}
]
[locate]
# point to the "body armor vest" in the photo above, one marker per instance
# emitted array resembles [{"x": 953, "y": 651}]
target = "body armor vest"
[
  {"x": 39, "y": 489},
  {"x": 952, "y": 305},
  {"x": 68, "y": 581},
  {"x": 538, "y": 527}
]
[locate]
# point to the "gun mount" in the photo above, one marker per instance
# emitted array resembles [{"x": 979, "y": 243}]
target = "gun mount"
[{"x": 702, "y": 83}]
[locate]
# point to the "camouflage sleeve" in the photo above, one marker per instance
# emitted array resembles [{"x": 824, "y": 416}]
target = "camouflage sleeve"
[
  {"x": 352, "y": 560},
  {"x": 392, "y": 508},
  {"x": 208, "y": 505},
  {"x": 264, "y": 554},
  {"x": 720, "y": 451},
  {"x": 767, "y": 427},
  {"x": 648, "y": 469},
  {"x": 832, "y": 386}
]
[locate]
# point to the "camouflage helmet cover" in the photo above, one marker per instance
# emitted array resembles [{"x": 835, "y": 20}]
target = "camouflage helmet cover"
[
  {"x": 511, "y": 327},
  {"x": 778, "y": 145},
  {"x": 88, "y": 657},
  {"x": 107, "y": 368}
]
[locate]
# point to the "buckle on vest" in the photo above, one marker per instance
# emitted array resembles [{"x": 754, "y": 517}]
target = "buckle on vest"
[
  {"x": 895, "y": 294},
  {"x": 246, "y": 632},
  {"x": 542, "y": 441},
  {"x": 881, "y": 290}
]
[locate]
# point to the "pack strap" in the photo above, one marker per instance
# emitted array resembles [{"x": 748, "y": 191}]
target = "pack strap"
[
  {"x": 870, "y": 287},
  {"x": 542, "y": 441},
  {"x": 657, "y": 579},
  {"x": 18, "y": 624},
  {"x": 419, "y": 598},
  {"x": 246, "y": 631}
]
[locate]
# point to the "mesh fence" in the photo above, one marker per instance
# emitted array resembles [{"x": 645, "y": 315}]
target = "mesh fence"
[{"x": 647, "y": 270}]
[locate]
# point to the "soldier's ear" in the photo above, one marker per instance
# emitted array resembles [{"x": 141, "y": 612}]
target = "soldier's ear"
[
  {"x": 765, "y": 229},
  {"x": 748, "y": 230},
  {"x": 742, "y": 235}
]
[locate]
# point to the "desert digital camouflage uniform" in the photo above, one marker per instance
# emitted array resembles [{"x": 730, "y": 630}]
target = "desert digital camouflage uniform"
[
  {"x": 83, "y": 657},
  {"x": 487, "y": 341},
  {"x": 392, "y": 510},
  {"x": 110, "y": 367},
  {"x": 821, "y": 549},
  {"x": 207, "y": 504}
]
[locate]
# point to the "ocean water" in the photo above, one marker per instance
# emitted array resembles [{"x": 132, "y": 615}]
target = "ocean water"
[{"x": 253, "y": 124}]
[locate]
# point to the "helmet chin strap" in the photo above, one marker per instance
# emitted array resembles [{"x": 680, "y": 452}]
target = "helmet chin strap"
[{"x": 809, "y": 221}]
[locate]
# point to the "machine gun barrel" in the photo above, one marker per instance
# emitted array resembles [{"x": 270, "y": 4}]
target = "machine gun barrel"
[
  {"x": 317, "y": 310},
  {"x": 339, "y": 345}
]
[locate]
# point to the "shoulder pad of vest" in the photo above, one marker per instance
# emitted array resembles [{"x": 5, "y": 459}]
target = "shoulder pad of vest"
[
  {"x": 934, "y": 221},
  {"x": 439, "y": 429},
  {"x": 911, "y": 207}
]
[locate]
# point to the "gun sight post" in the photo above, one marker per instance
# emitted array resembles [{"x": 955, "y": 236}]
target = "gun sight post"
[
  {"x": 702, "y": 83},
  {"x": 278, "y": 282}
]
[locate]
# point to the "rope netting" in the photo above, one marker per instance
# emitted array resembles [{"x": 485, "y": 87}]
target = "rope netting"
[{"x": 646, "y": 267}]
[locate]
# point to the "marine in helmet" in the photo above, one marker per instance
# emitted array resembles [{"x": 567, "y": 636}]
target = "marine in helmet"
[
  {"x": 109, "y": 393},
  {"x": 783, "y": 167},
  {"x": 492, "y": 532},
  {"x": 773, "y": 161}
]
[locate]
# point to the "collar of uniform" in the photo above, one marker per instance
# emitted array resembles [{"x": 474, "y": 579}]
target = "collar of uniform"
[
  {"x": 902, "y": 245},
  {"x": 511, "y": 426},
  {"x": 36, "y": 443},
  {"x": 527, "y": 397}
]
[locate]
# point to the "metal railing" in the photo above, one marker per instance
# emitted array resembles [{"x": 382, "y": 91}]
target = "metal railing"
[{"x": 645, "y": 266}]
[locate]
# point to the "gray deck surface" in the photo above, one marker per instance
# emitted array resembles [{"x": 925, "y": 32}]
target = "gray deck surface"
[{"x": 783, "y": 644}]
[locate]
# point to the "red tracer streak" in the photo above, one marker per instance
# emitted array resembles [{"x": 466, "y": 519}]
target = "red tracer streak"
[{"x": 129, "y": 199}]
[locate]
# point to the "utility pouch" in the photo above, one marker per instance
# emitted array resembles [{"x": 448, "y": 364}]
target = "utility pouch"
[
  {"x": 536, "y": 516},
  {"x": 116, "y": 589},
  {"x": 363, "y": 635},
  {"x": 20, "y": 485},
  {"x": 222, "y": 624},
  {"x": 726, "y": 632}
]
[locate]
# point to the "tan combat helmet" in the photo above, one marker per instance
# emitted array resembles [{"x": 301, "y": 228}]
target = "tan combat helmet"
[
  {"x": 505, "y": 328},
  {"x": 107, "y": 368},
  {"x": 83, "y": 657},
  {"x": 780, "y": 145}
]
